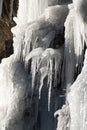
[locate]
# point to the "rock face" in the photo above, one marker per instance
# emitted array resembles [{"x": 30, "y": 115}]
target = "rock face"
[
  {"x": 5, "y": 39},
  {"x": 6, "y": 47}
]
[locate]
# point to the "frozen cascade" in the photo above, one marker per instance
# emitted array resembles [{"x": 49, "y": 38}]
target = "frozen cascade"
[
  {"x": 30, "y": 73},
  {"x": 1, "y": 6}
]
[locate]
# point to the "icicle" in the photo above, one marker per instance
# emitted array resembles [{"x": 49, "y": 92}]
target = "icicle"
[
  {"x": 34, "y": 67},
  {"x": 44, "y": 72},
  {"x": 11, "y": 9},
  {"x": 50, "y": 75},
  {"x": 1, "y": 6}
]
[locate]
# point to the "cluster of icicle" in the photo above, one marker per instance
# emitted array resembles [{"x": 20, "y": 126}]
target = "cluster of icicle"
[{"x": 34, "y": 48}]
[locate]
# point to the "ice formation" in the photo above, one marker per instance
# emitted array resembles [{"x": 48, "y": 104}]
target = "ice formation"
[{"x": 33, "y": 79}]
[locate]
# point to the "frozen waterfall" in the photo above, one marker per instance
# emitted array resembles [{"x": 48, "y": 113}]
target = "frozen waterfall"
[{"x": 47, "y": 68}]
